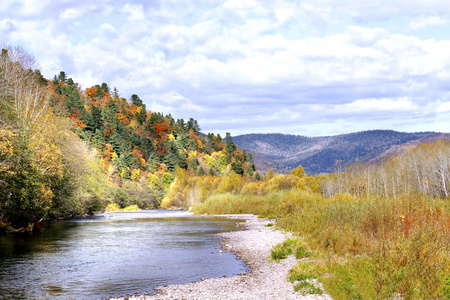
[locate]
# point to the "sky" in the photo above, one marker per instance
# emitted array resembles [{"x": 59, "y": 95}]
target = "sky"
[{"x": 313, "y": 67}]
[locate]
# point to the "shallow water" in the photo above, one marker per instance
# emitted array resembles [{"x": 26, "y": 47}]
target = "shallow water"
[{"x": 114, "y": 254}]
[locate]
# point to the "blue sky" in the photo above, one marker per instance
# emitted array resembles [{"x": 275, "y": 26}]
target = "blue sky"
[{"x": 318, "y": 67}]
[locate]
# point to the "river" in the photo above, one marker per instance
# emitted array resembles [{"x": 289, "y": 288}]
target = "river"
[{"x": 114, "y": 254}]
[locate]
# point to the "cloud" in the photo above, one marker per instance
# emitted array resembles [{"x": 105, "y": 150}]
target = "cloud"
[
  {"x": 71, "y": 14},
  {"x": 316, "y": 66},
  {"x": 444, "y": 107},
  {"x": 382, "y": 104},
  {"x": 427, "y": 22},
  {"x": 135, "y": 12}
]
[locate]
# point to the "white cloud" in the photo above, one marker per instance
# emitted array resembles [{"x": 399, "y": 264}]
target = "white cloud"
[
  {"x": 383, "y": 104},
  {"x": 135, "y": 12},
  {"x": 422, "y": 23},
  {"x": 444, "y": 107},
  {"x": 109, "y": 30},
  {"x": 71, "y": 14}
]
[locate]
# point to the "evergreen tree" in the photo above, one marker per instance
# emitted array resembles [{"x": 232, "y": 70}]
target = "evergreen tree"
[
  {"x": 201, "y": 172},
  {"x": 230, "y": 146},
  {"x": 136, "y": 100}
]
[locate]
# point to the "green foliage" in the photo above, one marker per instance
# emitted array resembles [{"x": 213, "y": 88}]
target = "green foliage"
[
  {"x": 304, "y": 273},
  {"x": 307, "y": 288},
  {"x": 288, "y": 247}
]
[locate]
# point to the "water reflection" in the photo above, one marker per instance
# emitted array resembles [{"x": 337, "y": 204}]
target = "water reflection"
[{"x": 114, "y": 254}]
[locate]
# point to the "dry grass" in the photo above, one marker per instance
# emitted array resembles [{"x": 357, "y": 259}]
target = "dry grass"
[{"x": 375, "y": 247}]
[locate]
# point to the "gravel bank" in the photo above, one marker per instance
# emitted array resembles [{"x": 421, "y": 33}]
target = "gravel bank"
[{"x": 266, "y": 280}]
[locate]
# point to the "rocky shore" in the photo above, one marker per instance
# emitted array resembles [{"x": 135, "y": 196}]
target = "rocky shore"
[{"x": 266, "y": 280}]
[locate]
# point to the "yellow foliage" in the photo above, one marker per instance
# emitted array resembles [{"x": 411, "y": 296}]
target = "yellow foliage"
[
  {"x": 45, "y": 134},
  {"x": 210, "y": 161},
  {"x": 280, "y": 182},
  {"x": 135, "y": 174},
  {"x": 133, "y": 207},
  {"x": 192, "y": 154},
  {"x": 153, "y": 180},
  {"x": 216, "y": 155},
  {"x": 251, "y": 188},
  {"x": 309, "y": 181},
  {"x": 269, "y": 175},
  {"x": 230, "y": 183},
  {"x": 6, "y": 147},
  {"x": 112, "y": 207},
  {"x": 299, "y": 172},
  {"x": 133, "y": 123},
  {"x": 110, "y": 171}
]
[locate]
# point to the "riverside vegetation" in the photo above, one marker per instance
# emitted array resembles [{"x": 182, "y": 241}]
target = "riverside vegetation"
[
  {"x": 368, "y": 231},
  {"x": 374, "y": 231}
]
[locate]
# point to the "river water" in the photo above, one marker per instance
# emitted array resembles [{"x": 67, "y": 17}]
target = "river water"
[{"x": 114, "y": 254}]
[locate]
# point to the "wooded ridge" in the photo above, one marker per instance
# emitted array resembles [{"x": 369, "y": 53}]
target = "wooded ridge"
[{"x": 284, "y": 152}]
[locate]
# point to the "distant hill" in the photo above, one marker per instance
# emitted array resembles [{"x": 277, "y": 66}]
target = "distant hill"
[{"x": 282, "y": 152}]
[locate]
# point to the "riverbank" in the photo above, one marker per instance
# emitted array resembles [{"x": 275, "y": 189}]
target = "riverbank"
[{"x": 266, "y": 280}]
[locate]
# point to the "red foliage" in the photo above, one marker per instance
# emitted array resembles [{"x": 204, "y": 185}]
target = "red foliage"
[
  {"x": 137, "y": 153},
  {"x": 76, "y": 121},
  {"x": 108, "y": 131},
  {"x": 160, "y": 128}
]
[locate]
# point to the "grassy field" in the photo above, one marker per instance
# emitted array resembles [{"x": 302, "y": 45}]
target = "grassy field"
[{"x": 368, "y": 248}]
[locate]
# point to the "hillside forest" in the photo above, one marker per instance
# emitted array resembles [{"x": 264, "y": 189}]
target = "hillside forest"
[
  {"x": 377, "y": 230},
  {"x": 67, "y": 151}
]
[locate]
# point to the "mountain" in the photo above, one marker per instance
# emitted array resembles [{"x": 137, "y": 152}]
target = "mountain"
[{"x": 282, "y": 152}]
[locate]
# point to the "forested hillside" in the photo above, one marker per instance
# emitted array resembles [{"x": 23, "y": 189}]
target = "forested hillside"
[
  {"x": 67, "y": 151},
  {"x": 321, "y": 154}
]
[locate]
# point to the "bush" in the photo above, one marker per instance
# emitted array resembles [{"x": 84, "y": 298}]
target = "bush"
[
  {"x": 112, "y": 207},
  {"x": 288, "y": 247}
]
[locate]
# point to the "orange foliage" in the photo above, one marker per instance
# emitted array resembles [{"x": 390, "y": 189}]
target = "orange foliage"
[
  {"x": 91, "y": 92},
  {"x": 160, "y": 128},
  {"x": 122, "y": 118},
  {"x": 238, "y": 152},
  {"x": 100, "y": 103},
  {"x": 108, "y": 131},
  {"x": 193, "y": 135},
  {"x": 163, "y": 168},
  {"x": 76, "y": 120},
  {"x": 133, "y": 109},
  {"x": 138, "y": 154},
  {"x": 108, "y": 151}
]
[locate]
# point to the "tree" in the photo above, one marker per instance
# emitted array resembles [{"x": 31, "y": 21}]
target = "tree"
[
  {"x": 136, "y": 100},
  {"x": 62, "y": 76},
  {"x": 269, "y": 175},
  {"x": 299, "y": 172},
  {"x": 230, "y": 146}
]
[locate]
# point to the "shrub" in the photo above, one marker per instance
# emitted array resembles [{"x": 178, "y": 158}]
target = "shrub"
[
  {"x": 112, "y": 207},
  {"x": 288, "y": 247},
  {"x": 306, "y": 288}
]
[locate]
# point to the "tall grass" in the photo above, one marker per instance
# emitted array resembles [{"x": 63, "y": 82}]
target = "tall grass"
[{"x": 374, "y": 247}]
